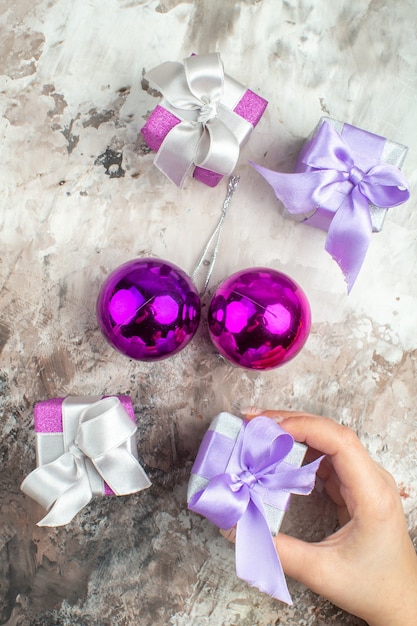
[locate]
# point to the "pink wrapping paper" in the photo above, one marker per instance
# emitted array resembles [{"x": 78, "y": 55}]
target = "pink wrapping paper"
[
  {"x": 251, "y": 107},
  {"x": 47, "y": 417}
]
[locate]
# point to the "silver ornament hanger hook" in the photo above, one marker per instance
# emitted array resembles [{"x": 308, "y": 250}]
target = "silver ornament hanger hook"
[{"x": 206, "y": 259}]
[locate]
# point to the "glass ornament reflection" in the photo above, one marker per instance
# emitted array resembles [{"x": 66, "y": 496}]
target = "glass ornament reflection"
[
  {"x": 148, "y": 309},
  {"x": 259, "y": 318}
]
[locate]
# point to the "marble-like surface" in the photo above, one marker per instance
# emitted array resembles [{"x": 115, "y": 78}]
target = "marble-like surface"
[{"x": 73, "y": 95}]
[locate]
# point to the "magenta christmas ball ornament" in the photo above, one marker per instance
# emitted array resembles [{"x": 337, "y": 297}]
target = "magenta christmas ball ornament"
[
  {"x": 259, "y": 318},
  {"x": 148, "y": 309}
]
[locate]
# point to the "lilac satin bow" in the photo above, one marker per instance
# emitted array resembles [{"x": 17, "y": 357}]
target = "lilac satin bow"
[
  {"x": 256, "y": 466},
  {"x": 332, "y": 163}
]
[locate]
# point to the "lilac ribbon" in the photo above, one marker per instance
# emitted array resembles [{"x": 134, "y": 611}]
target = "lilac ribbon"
[
  {"x": 235, "y": 497},
  {"x": 333, "y": 162}
]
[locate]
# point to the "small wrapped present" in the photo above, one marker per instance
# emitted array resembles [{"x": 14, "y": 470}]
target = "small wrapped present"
[
  {"x": 85, "y": 446},
  {"x": 345, "y": 180},
  {"x": 203, "y": 120},
  {"x": 243, "y": 475}
]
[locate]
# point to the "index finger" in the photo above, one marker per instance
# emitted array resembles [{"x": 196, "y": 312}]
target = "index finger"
[{"x": 349, "y": 457}]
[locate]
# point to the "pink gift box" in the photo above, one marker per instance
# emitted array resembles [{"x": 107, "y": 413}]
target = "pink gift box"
[
  {"x": 47, "y": 416},
  {"x": 249, "y": 106}
]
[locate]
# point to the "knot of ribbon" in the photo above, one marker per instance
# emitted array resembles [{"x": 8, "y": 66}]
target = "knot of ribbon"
[
  {"x": 207, "y": 112},
  {"x": 99, "y": 450},
  {"x": 210, "y": 133},
  {"x": 244, "y": 478},
  {"x": 76, "y": 452},
  {"x": 355, "y": 175},
  {"x": 332, "y": 163},
  {"x": 237, "y": 498}
]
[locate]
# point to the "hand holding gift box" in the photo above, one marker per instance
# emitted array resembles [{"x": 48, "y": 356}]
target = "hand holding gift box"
[
  {"x": 85, "y": 446},
  {"x": 345, "y": 180},
  {"x": 203, "y": 120},
  {"x": 243, "y": 475}
]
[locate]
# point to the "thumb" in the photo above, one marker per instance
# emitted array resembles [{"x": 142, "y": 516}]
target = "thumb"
[{"x": 300, "y": 560}]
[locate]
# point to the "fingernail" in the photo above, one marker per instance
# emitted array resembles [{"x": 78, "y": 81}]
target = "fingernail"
[{"x": 250, "y": 410}]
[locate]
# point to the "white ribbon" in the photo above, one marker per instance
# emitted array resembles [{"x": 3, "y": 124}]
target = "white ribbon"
[
  {"x": 99, "y": 447},
  {"x": 210, "y": 133}
]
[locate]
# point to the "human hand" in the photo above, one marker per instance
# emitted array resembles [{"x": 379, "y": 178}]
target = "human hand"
[{"x": 369, "y": 566}]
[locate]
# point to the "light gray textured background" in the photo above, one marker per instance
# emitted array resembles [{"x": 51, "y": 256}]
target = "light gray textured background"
[{"x": 70, "y": 88}]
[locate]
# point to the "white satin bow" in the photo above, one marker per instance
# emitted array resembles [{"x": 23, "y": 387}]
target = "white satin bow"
[
  {"x": 99, "y": 449},
  {"x": 210, "y": 133}
]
